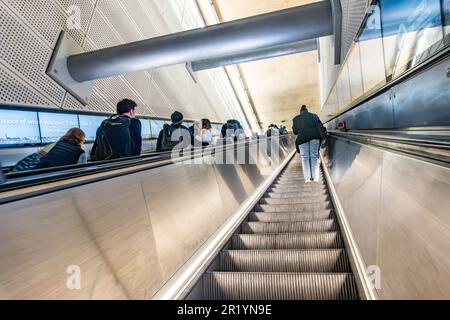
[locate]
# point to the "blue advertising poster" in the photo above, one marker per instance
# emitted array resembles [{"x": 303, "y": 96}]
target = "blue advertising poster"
[
  {"x": 90, "y": 124},
  {"x": 393, "y": 17},
  {"x": 188, "y": 124},
  {"x": 18, "y": 128},
  {"x": 400, "y": 16},
  {"x": 55, "y": 125},
  {"x": 146, "y": 132}
]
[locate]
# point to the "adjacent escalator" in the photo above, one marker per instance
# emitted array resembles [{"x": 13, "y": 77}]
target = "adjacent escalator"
[{"x": 289, "y": 248}]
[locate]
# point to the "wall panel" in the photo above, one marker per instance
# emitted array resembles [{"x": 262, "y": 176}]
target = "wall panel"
[{"x": 29, "y": 30}]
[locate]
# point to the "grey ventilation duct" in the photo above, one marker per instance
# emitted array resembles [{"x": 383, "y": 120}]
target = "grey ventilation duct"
[
  {"x": 245, "y": 35},
  {"x": 278, "y": 51},
  {"x": 262, "y": 31}
]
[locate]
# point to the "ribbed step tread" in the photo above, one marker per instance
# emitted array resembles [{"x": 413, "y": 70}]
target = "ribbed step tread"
[
  {"x": 290, "y": 227},
  {"x": 305, "y": 188},
  {"x": 279, "y": 286},
  {"x": 334, "y": 260},
  {"x": 296, "y": 180},
  {"x": 308, "y": 200},
  {"x": 290, "y": 216},
  {"x": 306, "y": 207},
  {"x": 298, "y": 195},
  {"x": 326, "y": 240}
]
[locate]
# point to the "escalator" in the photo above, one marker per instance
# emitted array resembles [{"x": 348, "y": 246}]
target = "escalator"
[{"x": 289, "y": 248}]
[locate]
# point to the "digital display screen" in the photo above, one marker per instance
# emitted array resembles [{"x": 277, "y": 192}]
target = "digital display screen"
[
  {"x": 55, "y": 125},
  {"x": 18, "y": 128},
  {"x": 90, "y": 124},
  {"x": 157, "y": 126},
  {"x": 217, "y": 128},
  {"x": 146, "y": 132}
]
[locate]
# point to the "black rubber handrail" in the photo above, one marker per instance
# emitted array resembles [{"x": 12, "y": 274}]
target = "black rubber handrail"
[{"x": 161, "y": 159}]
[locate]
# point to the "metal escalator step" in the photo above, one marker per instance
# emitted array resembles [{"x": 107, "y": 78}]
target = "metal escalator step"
[
  {"x": 290, "y": 216},
  {"x": 305, "y": 207},
  {"x": 295, "y": 183},
  {"x": 297, "y": 195},
  {"x": 301, "y": 185},
  {"x": 296, "y": 179},
  {"x": 298, "y": 200},
  {"x": 305, "y": 188},
  {"x": 332, "y": 260},
  {"x": 279, "y": 286},
  {"x": 290, "y": 227},
  {"x": 313, "y": 240}
]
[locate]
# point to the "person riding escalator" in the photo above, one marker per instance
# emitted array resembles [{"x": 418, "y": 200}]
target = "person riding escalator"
[{"x": 67, "y": 151}]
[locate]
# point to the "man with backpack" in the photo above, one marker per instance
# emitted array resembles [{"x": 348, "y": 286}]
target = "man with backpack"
[
  {"x": 165, "y": 142},
  {"x": 119, "y": 136},
  {"x": 232, "y": 129},
  {"x": 273, "y": 130}
]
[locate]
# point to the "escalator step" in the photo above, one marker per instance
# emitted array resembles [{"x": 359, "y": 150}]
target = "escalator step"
[
  {"x": 300, "y": 186},
  {"x": 297, "y": 180},
  {"x": 305, "y": 188},
  {"x": 297, "y": 195},
  {"x": 325, "y": 240},
  {"x": 304, "y": 200},
  {"x": 290, "y": 216},
  {"x": 334, "y": 260},
  {"x": 279, "y": 286},
  {"x": 305, "y": 207},
  {"x": 290, "y": 227}
]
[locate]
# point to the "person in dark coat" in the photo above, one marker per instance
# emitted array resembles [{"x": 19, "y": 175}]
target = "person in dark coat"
[
  {"x": 306, "y": 126},
  {"x": 67, "y": 151}
]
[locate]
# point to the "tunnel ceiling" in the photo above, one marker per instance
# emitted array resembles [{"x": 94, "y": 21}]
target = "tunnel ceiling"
[{"x": 277, "y": 86}]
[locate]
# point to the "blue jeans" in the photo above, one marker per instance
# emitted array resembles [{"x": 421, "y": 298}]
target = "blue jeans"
[{"x": 310, "y": 157}]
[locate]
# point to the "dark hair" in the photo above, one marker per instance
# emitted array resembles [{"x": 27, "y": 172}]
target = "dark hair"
[
  {"x": 176, "y": 117},
  {"x": 304, "y": 108},
  {"x": 125, "y": 106},
  {"x": 75, "y": 136},
  {"x": 206, "y": 124}
]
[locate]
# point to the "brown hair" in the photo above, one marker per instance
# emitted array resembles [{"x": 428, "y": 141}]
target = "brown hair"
[
  {"x": 206, "y": 124},
  {"x": 74, "y": 135}
]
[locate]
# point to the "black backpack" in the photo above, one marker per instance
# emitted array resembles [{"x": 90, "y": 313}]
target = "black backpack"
[
  {"x": 233, "y": 125},
  {"x": 114, "y": 139},
  {"x": 167, "y": 144}
]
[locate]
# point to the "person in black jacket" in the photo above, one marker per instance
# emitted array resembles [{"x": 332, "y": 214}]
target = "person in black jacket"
[
  {"x": 306, "y": 127},
  {"x": 67, "y": 151},
  {"x": 119, "y": 136},
  {"x": 232, "y": 129},
  {"x": 165, "y": 142},
  {"x": 127, "y": 108}
]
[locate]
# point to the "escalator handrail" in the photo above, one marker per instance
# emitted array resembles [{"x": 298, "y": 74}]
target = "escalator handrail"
[
  {"x": 429, "y": 150},
  {"x": 432, "y": 143},
  {"x": 134, "y": 165}
]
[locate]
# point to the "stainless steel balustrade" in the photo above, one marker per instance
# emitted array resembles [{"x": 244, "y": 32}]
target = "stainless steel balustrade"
[
  {"x": 128, "y": 234},
  {"x": 398, "y": 210}
]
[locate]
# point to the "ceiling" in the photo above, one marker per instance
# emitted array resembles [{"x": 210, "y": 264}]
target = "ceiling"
[{"x": 278, "y": 86}]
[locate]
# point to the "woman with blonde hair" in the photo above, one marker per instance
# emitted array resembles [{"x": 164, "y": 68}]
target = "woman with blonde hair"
[{"x": 67, "y": 151}]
